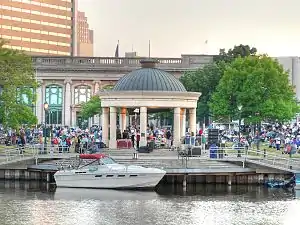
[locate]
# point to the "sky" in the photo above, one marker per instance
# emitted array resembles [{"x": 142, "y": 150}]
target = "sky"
[{"x": 176, "y": 27}]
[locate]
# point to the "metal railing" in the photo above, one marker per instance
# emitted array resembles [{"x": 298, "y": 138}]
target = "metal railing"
[
  {"x": 276, "y": 161},
  {"x": 14, "y": 154},
  {"x": 51, "y": 150},
  {"x": 258, "y": 157},
  {"x": 242, "y": 154}
]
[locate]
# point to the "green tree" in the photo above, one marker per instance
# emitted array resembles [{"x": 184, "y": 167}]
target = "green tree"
[
  {"x": 260, "y": 85},
  {"x": 17, "y": 82},
  {"x": 91, "y": 108},
  {"x": 237, "y": 51},
  {"x": 206, "y": 79},
  {"x": 203, "y": 80}
]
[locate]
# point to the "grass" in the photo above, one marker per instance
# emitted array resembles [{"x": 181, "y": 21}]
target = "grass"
[{"x": 276, "y": 152}]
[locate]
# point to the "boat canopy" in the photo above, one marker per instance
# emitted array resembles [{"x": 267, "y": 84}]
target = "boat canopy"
[{"x": 92, "y": 156}]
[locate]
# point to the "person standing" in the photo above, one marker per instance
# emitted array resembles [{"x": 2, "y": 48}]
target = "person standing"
[
  {"x": 132, "y": 137},
  {"x": 138, "y": 138}
]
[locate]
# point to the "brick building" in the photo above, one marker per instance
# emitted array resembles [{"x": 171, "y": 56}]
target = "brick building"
[{"x": 40, "y": 27}]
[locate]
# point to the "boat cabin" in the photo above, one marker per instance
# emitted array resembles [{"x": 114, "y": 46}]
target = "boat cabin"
[{"x": 99, "y": 158}]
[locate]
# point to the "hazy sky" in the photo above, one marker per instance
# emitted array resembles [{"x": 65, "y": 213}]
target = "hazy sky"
[{"x": 178, "y": 27}]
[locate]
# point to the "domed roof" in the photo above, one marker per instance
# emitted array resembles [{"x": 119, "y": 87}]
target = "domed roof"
[{"x": 149, "y": 78}]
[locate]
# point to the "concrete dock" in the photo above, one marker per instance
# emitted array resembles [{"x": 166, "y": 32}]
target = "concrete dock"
[{"x": 180, "y": 170}]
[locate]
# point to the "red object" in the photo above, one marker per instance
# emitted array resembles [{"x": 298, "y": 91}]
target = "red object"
[
  {"x": 92, "y": 156},
  {"x": 200, "y": 132},
  {"x": 124, "y": 143}
]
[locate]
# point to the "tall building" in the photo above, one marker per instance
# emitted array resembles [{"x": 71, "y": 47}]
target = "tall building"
[
  {"x": 40, "y": 27},
  {"x": 292, "y": 65},
  {"x": 85, "y": 36}
]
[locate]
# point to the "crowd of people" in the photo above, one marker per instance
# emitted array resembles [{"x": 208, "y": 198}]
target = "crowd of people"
[
  {"x": 79, "y": 140},
  {"x": 285, "y": 138},
  {"x": 282, "y": 137}
]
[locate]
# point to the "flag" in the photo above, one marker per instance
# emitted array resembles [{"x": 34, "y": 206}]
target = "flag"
[{"x": 117, "y": 51}]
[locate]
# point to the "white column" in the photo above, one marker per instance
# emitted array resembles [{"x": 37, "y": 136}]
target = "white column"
[
  {"x": 97, "y": 83},
  {"x": 123, "y": 121},
  {"x": 143, "y": 126},
  {"x": 105, "y": 120},
  {"x": 176, "y": 127},
  {"x": 192, "y": 120},
  {"x": 183, "y": 122},
  {"x": 73, "y": 112},
  {"x": 113, "y": 128},
  {"x": 120, "y": 122},
  {"x": 39, "y": 102},
  {"x": 67, "y": 101}
]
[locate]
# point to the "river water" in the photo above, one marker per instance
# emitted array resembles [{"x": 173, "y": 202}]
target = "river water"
[{"x": 41, "y": 204}]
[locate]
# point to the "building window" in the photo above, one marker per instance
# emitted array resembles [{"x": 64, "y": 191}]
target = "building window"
[
  {"x": 82, "y": 94},
  {"x": 54, "y": 97}
]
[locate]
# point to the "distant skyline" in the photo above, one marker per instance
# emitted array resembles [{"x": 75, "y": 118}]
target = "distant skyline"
[{"x": 178, "y": 27}]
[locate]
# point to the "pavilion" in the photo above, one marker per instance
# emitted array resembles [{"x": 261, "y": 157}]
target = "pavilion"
[{"x": 148, "y": 89}]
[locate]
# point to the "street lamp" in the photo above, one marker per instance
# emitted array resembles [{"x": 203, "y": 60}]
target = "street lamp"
[
  {"x": 240, "y": 118},
  {"x": 46, "y": 108}
]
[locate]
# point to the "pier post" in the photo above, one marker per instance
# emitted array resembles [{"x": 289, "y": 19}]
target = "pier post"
[
  {"x": 184, "y": 181},
  {"x": 27, "y": 175},
  {"x": 48, "y": 178},
  {"x": 17, "y": 174},
  {"x": 229, "y": 180}
]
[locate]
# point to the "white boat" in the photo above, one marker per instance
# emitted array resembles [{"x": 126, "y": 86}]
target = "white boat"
[{"x": 104, "y": 172}]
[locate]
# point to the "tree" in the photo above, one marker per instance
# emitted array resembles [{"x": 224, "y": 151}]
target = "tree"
[
  {"x": 206, "y": 79},
  {"x": 203, "y": 80},
  {"x": 260, "y": 85},
  {"x": 91, "y": 108},
  {"x": 237, "y": 51},
  {"x": 17, "y": 84}
]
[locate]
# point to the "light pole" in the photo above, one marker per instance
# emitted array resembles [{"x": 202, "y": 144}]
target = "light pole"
[
  {"x": 46, "y": 108},
  {"x": 240, "y": 118}
]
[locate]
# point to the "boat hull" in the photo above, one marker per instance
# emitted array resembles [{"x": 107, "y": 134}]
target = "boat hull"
[{"x": 108, "y": 180}]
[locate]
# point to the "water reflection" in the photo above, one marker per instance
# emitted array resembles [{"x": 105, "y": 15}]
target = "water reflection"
[
  {"x": 241, "y": 192},
  {"x": 79, "y": 194},
  {"x": 37, "y": 203}
]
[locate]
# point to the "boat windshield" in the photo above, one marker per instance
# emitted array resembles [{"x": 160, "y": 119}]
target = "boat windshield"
[{"x": 108, "y": 160}]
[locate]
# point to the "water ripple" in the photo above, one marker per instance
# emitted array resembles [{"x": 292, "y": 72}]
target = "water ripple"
[{"x": 250, "y": 206}]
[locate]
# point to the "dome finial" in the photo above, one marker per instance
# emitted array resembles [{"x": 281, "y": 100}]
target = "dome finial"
[{"x": 148, "y": 63}]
